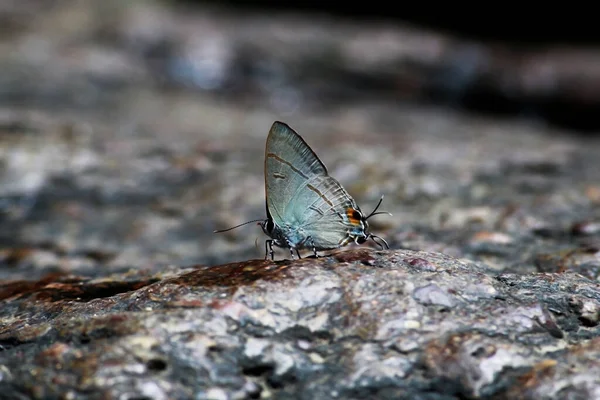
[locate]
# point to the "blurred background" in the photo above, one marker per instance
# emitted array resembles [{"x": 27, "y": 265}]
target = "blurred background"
[{"x": 130, "y": 130}]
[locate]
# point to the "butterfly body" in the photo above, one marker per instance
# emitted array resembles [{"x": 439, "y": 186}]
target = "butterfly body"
[{"x": 306, "y": 207}]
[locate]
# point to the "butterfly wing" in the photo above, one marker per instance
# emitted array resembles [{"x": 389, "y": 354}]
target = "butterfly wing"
[
  {"x": 289, "y": 165},
  {"x": 301, "y": 194},
  {"x": 333, "y": 215}
]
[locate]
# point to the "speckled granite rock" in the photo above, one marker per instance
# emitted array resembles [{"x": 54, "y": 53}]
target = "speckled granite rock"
[
  {"x": 356, "y": 324},
  {"x": 114, "y": 172}
]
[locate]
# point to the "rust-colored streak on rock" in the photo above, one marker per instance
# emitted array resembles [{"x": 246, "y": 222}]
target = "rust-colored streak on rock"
[
  {"x": 589, "y": 349},
  {"x": 421, "y": 264},
  {"x": 364, "y": 256},
  {"x": 54, "y": 288},
  {"x": 89, "y": 291},
  {"x": 83, "y": 330},
  {"x": 13, "y": 288},
  {"x": 185, "y": 303},
  {"x": 53, "y": 354},
  {"x": 441, "y": 354},
  {"x": 16, "y": 334},
  {"x": 232, "y": 275},
  {"x": 538, "y": 372},
  {"x": 565, "y": 260}
]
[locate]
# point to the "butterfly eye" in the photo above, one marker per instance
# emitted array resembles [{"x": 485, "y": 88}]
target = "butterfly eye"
[
  {"x": 356, "y": 215},
  {"x": 361, "y": 240}
]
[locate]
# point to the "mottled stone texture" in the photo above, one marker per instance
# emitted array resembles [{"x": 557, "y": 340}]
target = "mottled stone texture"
[
  {"x": 356, "y": 324},
  {"x": 129, "y": 131}
]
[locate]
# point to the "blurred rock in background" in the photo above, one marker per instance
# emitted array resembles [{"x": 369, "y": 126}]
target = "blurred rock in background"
[
  {"x": 501, "y": 62},
  {"x": 131, "y": 130}
]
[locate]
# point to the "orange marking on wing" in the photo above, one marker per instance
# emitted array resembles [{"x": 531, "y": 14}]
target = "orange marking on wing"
[{"x": 353, "y": 216}]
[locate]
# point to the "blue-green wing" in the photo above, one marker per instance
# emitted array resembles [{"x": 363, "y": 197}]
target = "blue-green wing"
[
  {"x": 301, "y": 194},
  {"x": 322, "y": 209},
  {"x": 289, "y": 164}
]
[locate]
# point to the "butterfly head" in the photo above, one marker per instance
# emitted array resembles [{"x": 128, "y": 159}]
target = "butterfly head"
[
  {"x": 268, "y": 226},
  {"x": 357, "y": 218}
]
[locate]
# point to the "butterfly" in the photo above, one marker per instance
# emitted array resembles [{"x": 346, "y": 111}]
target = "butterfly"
[{"x": 306, "y": 207}]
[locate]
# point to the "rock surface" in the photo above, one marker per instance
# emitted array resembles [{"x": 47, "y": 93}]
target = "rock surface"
[
  {"x": 356, "y": 324},
  {"x": 127, "y": 137}
]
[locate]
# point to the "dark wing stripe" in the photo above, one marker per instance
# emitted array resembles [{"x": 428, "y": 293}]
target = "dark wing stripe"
[
  {"x": 337, "y": 214},
  {"x": 281, "y": 160},
  {"x": 315, "y": 210},
  {"x": 314, "y": 189},
  {"x": 335, "y": 192}
]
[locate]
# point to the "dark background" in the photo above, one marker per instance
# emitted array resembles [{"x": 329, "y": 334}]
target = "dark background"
[{"x": 523, "y": 33}]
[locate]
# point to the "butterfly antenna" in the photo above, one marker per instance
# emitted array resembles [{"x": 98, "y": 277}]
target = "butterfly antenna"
[
  {"x": 237, "y": 226},
  {"x": 380, "y": 212}
]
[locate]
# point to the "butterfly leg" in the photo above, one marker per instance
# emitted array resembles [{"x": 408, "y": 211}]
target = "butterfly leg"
[
  {"x": 269, "y": 249},
  {"x": 292, "y": 248},
  {"x": 314, "y": 248}
]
